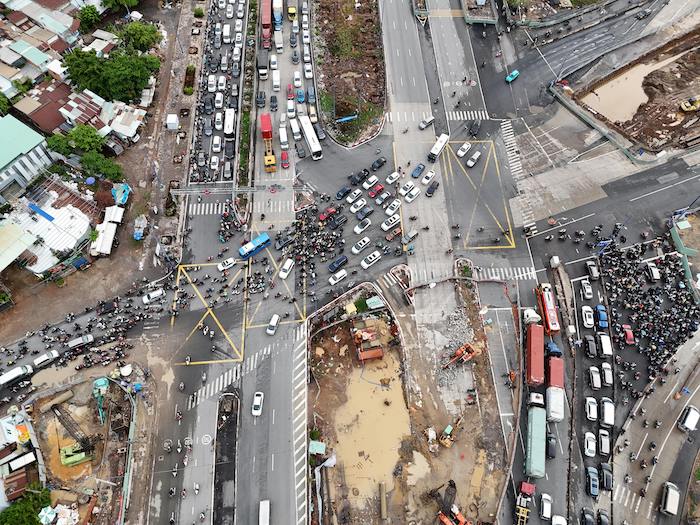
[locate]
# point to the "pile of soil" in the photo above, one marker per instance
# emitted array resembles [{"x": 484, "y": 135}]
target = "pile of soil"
[{"x": 352, "y": 70}]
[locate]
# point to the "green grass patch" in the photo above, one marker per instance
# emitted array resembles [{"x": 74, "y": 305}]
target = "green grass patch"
[
  {"x": 326, "y": 102},
  {"x": 697, "y": 475},
  {"x": 368, "y": 114},
  {"x": 466, "y": 271},
  {"x": 198, "y": 12},
  {"x": 361, "y": 305},
  {"x": 244, "y": 149},
  {"x": 343, "y": 46}
]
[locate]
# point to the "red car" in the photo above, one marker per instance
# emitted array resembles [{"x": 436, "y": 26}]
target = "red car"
[
  {"x": 629, "y": 336},
  {"x": 327, "y": 213},
  {"x": 285, "y": 159},
  {"x": 290, "y": 92},
  {"x": 376, "y": 190}
]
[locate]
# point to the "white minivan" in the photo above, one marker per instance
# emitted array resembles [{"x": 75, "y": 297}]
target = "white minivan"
[
  {"x": 45, "y": 359},
  {"x": 670, "y": 499},
  {"x": 689, "y": 419},
  {"x": 607, "y": 412},
  {"x": 291, "y": 110},
  {"x": 272, "y": 325},
  {"x": 296, "y": 131},
  {"x": 284, "y": 141},
  {"x": 276, "y": 82}
]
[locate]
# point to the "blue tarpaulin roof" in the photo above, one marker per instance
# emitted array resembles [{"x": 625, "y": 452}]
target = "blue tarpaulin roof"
[
  {"x": 41, "y": 212},
  {"x": 120, "y": 192}
]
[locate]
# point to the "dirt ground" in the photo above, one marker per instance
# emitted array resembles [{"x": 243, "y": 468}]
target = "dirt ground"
[
  {"x": 668, "y": 76},
  {"x": 350, "y": 64}
]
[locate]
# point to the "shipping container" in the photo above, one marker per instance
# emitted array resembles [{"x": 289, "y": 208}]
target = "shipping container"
[{"x": 535, "y": 355}]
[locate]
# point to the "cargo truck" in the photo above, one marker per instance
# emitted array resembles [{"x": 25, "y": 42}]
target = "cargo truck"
[
  {"x": 535, "y": 442},
  {"x": 292, "y": 10},
  {"x": 277, "y": 14},
  {"x": 555, "y": 389},
  {"x": 266, "y": 22},
  {"x": 535, "y": 355},
  {"x": 263, "y": 61}
]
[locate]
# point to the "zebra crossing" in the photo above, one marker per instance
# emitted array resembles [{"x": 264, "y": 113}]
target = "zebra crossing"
[
  {"x": 389, "y": 280},
  {"x": 520, "y": 273},
  {"x": 206, "y": 208},
  {"x": 273, "y": 206},
  {"x": 632, "y": 500},
  {"x": 299, "y": 424},
  {"x": 516, "y": 167},
  {"x": 479, "y": 114}
]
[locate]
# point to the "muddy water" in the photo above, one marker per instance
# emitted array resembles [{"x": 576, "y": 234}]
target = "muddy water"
[
  {"x": 619, "y": 98},
  {"x": 369, "y": 431}
]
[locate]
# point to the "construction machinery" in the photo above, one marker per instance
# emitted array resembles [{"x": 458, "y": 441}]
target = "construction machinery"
[
  {"x": 448, "y": 436},
  {"x": 82, "y": 449},
  {"x": 692, "y": 104},
  {"x": 464, "y": 353},
  {"x": 448, "y": 513},
  {"x": 266, "y": 128},
  {"x": 523, "y": 502}
]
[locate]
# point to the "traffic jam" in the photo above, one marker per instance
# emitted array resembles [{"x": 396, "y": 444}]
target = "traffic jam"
[{"x": 632, "y": 310}]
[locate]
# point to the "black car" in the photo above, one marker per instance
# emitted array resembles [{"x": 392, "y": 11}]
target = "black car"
[
  {"x": 201, "y": 159},
  {"x": 606, "y": 476},
  {"x": 337, "y": 221},
  {"x": 105, "y": 307},
  {"x": 603, "y": 517},
  {"x": 260, "y": 99},
  {"x": 474, "y": 127},
  {"x": 337, "y": 264},
  {"x": 587, "y": 517},
  {"x": 551, "y": 446},
  {"x": 295, "y": 57},
  {"x": 359, "y": 177},
  {"x": 229, "y": 149},
  {"x": 342, "y": 192},
  {"x": 293, "y": 40},
  {"x": 213, "y": 65},
  {"x": 283, "y": 241},
  {"x": 591, "y": 351},
  {"x": 364, "y": 212},
  {"x": 378, "y": 163},
  {"x": 273, "y": 103},
  {"x": 319, "y": 131},
  {"x": 432, "y": 188},
  {"x": 300, "y": 150},
  {"x": 236, "y": 70},
  {"x": 208, "y": 105}
]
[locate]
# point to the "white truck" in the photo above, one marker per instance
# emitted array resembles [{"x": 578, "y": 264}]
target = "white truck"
[{"x": 279, "y": 43}]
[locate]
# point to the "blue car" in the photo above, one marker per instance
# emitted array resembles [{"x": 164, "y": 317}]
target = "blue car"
[
  {"x": 601, "y": 316},
  {"x": 513, "y": 75},
  {"x": 300, "y": 96},
  {"x": 418, "y": 170},
  {"x": 335, "y": 265}
]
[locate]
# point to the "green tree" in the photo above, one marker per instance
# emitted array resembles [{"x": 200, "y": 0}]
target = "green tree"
[
  {"x": 85, "y": 138},
  {"x": 25, "y": 511},
  {"x": 59, "y": 143},
  {"x": 116, "y": 5},
  {"x": 96, "y": 164},
  {"x": 4, "y": 104},
  {"x": 85, "y": 69},
  {"x": 89, "y": 17},
  {"x": 140, "y": 36}
]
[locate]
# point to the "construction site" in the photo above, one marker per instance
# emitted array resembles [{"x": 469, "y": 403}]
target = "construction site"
[
  {"x": 382, "y": 453},
  {"x": 654, "y": 100}
]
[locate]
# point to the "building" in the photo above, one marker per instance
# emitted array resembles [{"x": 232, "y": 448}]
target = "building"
[{"x": 23, "y": 157}]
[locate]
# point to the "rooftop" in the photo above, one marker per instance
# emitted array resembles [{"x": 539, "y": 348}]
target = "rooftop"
[{"x": 22, "y": 137}]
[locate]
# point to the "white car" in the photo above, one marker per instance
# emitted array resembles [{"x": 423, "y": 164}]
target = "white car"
[
  {"x": 587, "y": 289},
  {"x": 273, "y": 61},
  {"x": 238, "y": 26},
  {"x": 371, "y": 181},
  {"x": 360, "y": 245},
  {"x": 545, "y": 506},
  {"x": 308, "y": 71},
  {"x": 411, "y": 195},
  {"x": 295, "y": 26},
  {"x": 391, "y": 222},
  {"x": 464, "y": 148},
  {"x": 337, "y": 277},
  {"x": 230, "y": 11},
  {"x": 313, "y": 117},
  {"x": 305, "y": 22},
  {"x": 211, "y": 83},
  {"x": 238, "y": 42},
  {"x": 594, "y": 377},
  {"x": 297, "y": 79},
  {"x": 258, "y": 399},
  {"x": 221, "y": 4},
  {"x": 603, "y": 442},
  {"x": 393, "y": 177},
  {"x": 216, "y": 144},
  {"x": 221, "y": 83},
  {"x": 406, "y": 188},
  {"x": 214, "y": 163},
  {"x": 591, "y": 409},
  {"x": 362, "y": 225},
  {"x": 370, "y": 259},
  {"x": 357, "y": 205},
  {"x": 353, "y": 196},
  {"x": 393, "y": 207},
  {"x": 589, "y": 445},
  {"x": 240, "y": 12},
  {"x": 149, "y": 298},
  {"x": 219, "y": 121},
  {"x": 286, "y": 268},
  {"x": 606, "y": 374},
  {"x": 226, "y": 264},
  {"x": 219, "y": 100},
  {"x": 428, "y": 177},
  {"x": 305, "y": 37},
  {"x": 587, "y": 316}
]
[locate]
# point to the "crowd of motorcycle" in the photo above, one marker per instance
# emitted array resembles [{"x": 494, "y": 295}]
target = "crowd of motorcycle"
[{"x": 662, "y": 314}]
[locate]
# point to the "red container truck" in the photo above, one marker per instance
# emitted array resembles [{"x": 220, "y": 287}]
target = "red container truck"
[
  {"x": 535, "y": 355},
  {"x": 555, "y": 389}
]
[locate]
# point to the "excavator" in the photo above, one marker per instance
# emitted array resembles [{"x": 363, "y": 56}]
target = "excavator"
[
  {"x": 464, "y": 353},
  {"x": 449, "y": 513}
]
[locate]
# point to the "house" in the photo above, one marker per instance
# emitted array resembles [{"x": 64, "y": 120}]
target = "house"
[
  {"x": 42, "y": 103},
  {"x": 86, "y": 108},
  {"x": 58, "y": 22},
  {"x": 23, "y": 157}
]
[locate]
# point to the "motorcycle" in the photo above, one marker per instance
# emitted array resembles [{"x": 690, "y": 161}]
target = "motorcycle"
[
  {"x": 196, "y": 488},
  {"x": 204, "y": 377}
]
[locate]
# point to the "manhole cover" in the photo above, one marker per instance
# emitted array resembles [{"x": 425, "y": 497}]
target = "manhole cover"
[
  {"x": 206, "y": 439},
  {"x": 551, "y": 221}
]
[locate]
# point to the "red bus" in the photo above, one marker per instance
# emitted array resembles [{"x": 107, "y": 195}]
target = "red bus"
[
  {"x": 535, "y": 355},
  {"x": 266, "y": 21},
  {"x": 548, "y": 308}
]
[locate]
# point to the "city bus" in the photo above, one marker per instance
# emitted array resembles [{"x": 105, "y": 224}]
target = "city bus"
[
  {"x": 15, "y": 374},
  {"x": 230, "y": 124},
  {"x": 438, "y": 147},
  {"x": 548, "y": 308},
  {"x": 311, "y": 138},
  {"x": 256, "y": 245}
]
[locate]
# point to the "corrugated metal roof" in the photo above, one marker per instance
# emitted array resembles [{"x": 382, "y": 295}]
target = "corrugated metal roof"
[
  {"x": 13, "y": 241},
  {"x": 17, "y": 138}
]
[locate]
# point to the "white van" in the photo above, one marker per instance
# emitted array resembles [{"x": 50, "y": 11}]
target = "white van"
[
  {"x": 607, "y": 412},
  {"x": 688, "y": 421},
  {"x": 291, "y": 111},
  {"x": 152, "y": 296},
  {"x": 604, "y": 345},
  {"x": 284, "y": 141},
  {"x": 670, "y": 499},
  {"x": 227, "y": 34},
  {"x": 272, "y": 325},
  {"x": 307, "y": 54},
  {"x": 276, "y": 82},
  {"x": 45, "y": 359},
  {"x": 80, "y": 341},
  {"x": 653, "y": 273},
  {"x": 296, "y": 131}
]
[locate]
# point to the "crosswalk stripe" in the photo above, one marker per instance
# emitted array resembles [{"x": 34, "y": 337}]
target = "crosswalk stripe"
[
  {"x": 519, "y": 273},
  {"x": 206, "y": 208},
  {"x": 468, "y": 115}
]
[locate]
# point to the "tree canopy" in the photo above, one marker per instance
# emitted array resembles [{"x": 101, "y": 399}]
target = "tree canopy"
[
  {"x": 116, "y": 5},
  {"x": 25, "y": 511},
  {"x": 85, "y": 138},
  {"x": 4, "y": 104},
  {"x": 96, "y": 164},
  {"x": 140, "y": 36},
  {"x": 122, "y": 76},
  {"x": 89, "y": 17},
  {"x": 59, "y": 144}
]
